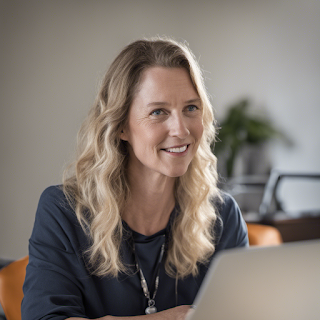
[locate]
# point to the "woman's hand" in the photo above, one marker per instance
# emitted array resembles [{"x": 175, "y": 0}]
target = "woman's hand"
[{"x": 177, "y": 313}]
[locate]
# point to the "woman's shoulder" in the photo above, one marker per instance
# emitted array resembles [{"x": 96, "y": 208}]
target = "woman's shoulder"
[
  {"x": 53, "y": 193},
  {"x": 54, "y": 205},
  {"x": 225, "y": 203},
  {"x": 55, "y": 221},
  {"x": 54, "y": 196},
  {"x": 230, "y": 228},
  {"x": 228, "y": 202}
]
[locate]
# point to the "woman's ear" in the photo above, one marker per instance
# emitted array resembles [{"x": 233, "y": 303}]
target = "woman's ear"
[{"x": 124, "y": 135}]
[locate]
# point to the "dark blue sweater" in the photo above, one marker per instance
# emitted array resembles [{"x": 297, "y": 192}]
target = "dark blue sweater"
[{"x": 58, "y": 284}]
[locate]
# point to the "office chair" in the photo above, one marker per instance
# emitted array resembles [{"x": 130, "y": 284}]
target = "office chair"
[
  {"x": 262, "y": 235},
  {"x": 11, "y": 282}
]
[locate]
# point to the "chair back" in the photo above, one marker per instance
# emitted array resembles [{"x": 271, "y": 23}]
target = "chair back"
[
  {"x": 11, "y": 281},
  {"x": 262, "y": 235}
]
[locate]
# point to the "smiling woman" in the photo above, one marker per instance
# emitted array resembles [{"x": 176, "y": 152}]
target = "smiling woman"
[{"x": 139, "y": 216}]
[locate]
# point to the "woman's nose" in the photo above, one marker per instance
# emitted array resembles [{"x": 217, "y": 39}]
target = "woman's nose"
[{"x": 179, "y": 127}]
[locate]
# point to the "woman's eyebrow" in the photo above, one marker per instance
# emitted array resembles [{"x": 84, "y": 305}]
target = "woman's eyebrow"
[
  {"x": 163, "y": 103},
  {"x": 157, "y": 104},
  {"x": 196, "y": 100}
]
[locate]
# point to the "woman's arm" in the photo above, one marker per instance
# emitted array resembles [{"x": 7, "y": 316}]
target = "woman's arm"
[
  {"x": 177, "y": 313},
  {"x": 54, "y": 276}
]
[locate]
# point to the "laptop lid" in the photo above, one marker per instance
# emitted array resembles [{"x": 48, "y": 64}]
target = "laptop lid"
[{"x": 262, "y": 283}]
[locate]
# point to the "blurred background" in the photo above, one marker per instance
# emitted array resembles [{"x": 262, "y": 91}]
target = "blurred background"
[{"x": 260, "y": 60}]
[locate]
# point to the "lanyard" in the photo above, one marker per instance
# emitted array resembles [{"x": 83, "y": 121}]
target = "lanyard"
[{"x": 151, "y": 302}]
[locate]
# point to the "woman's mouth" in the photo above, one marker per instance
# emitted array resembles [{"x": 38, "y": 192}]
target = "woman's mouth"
[{"x": 177, "y": 149}]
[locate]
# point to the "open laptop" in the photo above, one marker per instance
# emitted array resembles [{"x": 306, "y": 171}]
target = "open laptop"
[{"x": 266, "y": 283}]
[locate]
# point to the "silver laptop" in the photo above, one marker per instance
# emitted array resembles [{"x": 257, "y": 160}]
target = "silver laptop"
[{"x": 268, "y": 283}]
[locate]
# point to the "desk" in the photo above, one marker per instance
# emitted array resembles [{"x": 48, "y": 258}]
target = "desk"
[{"x": 291, "y": 228}]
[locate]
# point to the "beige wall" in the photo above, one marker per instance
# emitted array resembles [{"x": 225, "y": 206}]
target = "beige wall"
[{"x": 53, "y": 54}]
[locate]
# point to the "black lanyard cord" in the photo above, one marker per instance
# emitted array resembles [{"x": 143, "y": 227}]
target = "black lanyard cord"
[{"x": 151, "y": 302}]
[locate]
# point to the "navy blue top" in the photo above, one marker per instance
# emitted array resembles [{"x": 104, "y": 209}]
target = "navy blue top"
[{"x": 58, "y": 284}]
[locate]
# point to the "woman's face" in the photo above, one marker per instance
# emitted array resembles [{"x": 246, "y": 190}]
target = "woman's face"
[{"x": 165, "y": 123}]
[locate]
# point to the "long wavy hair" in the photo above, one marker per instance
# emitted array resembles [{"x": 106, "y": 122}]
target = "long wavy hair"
[{"x": 96, "y": 183}]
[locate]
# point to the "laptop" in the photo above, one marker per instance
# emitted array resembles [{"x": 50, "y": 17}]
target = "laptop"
[{"x": 262, "y": 283}]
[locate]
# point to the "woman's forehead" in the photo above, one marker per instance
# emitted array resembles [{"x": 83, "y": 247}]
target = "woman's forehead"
[{"x": 162, "y": 83}]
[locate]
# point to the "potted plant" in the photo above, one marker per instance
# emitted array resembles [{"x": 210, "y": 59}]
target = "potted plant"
[{"x": 239, "y": 129}]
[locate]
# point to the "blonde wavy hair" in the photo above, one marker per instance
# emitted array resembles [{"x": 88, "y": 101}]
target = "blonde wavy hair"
[{"x": 97, "y": 185}]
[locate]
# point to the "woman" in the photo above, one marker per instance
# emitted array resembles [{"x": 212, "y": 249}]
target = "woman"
[{"x": 137, "y": 222}]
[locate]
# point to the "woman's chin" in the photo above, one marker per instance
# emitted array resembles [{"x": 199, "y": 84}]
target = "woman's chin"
[{"x": 176, "y": 172}]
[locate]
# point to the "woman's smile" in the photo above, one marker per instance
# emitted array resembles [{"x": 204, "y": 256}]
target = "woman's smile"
[{"x": 178, "y": 150}]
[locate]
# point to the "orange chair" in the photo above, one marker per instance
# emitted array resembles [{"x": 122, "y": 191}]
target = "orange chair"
[
  {"x": 262, "y": 235},
  {"x": 11, "y": 282}
]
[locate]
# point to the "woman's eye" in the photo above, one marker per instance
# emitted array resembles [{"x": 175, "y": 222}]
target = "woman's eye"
[
  {"x": 157, "y": 112},
  {"x": 192, "y": 108}
]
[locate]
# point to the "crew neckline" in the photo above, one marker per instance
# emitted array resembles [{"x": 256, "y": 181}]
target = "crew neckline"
[{"x": 139, "y": 237}]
